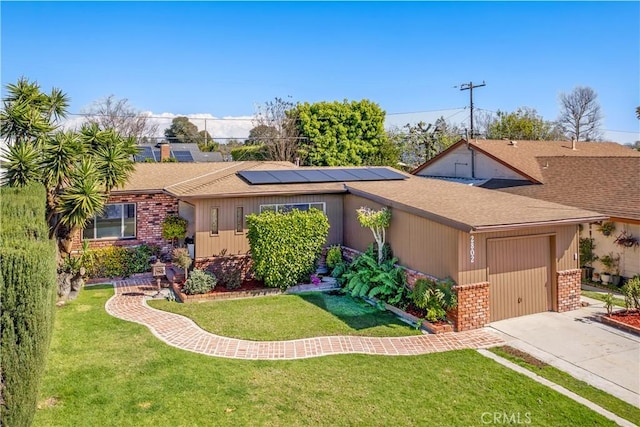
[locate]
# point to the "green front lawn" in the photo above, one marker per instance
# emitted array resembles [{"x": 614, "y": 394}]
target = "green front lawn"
[
  {"x": 596, "y": 295},
  {"x": 285, "y": 317},
  {"x": 605, "y": 400},
  {"x": 103, "y": 371}
]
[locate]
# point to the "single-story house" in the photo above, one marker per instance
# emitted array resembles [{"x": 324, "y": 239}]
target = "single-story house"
[
  {"x": 509, "y": 255},
  {"x": 602, "y": 177}
]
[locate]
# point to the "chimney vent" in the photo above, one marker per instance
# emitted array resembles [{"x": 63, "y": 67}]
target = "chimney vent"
[
  {"x": 573, "y": 143},
  {"x": 165, "y": 151}
]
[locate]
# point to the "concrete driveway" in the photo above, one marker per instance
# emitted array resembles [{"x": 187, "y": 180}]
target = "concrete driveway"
[{"x": 600, "y": 355}]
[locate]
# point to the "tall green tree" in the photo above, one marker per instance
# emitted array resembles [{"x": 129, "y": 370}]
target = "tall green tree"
[
  {"x": 524, "y": 123},
  {"x": 183, "y": 131},
  {"x": 344, "y": 133},
  {"x": 77, "y": 169}
]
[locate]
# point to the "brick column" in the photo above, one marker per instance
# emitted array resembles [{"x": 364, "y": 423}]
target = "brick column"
[
  {"x": 472, "y": 311},
  {"x": 568, "y": 290}
]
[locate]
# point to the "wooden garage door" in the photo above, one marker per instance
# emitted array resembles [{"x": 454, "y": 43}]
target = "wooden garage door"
[{"x": 519, "y": 276}]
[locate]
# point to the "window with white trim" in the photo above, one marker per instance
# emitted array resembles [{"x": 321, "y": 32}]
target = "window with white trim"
[
  {"x": 287, "y": 207},
  {"x": 118, "y": 221}
]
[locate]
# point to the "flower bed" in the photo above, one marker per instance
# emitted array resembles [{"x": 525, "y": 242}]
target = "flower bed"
[
  {"x": 248, "y": 289},
  {"x": 415, "y": 316},
  {"x": 628, "y": 320}
]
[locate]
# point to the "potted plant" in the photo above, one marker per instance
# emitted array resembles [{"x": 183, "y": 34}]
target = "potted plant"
[
  {"x": 615, "y": 269},
  {"x": 587, "y": 257},
  {"x": 174, "y": 227},
  {"x": 626, "y": 240},
  {"x": 607, "y": 264},
  {"x": 607, "y": 228}
]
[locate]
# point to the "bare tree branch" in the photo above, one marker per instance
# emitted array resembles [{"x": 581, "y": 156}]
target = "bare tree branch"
[
  {"x": 580, "y": 114},
  {"x": 118, "y": 114}
]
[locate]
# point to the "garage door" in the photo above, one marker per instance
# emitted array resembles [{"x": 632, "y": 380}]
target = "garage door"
[{"x": 519, "y": 274}]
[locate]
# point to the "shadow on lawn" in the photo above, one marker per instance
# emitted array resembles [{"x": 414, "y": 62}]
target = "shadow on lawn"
[{"x": 358, "y": 315}]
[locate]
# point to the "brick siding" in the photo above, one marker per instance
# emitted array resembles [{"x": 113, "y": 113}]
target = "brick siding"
[
  {"x": 568, "y": 290},
  {"x": 472, "y": 311},
  {"x": 151, "y": 210}
]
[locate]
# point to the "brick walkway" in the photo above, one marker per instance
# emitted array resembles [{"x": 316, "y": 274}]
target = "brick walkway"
[{"x": 129, "y": 304}]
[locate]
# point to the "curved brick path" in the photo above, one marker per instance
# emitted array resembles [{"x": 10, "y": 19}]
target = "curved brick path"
[{"x": 128, "y": 303}]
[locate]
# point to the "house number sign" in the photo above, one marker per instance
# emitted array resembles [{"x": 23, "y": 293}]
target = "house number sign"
[{"x": 472, "y": 249}]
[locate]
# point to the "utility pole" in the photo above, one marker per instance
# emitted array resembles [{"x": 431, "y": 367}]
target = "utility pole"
[{"x": 470, "y": 86}]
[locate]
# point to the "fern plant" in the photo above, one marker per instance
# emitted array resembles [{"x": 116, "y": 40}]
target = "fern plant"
[
  {"x": 436, "y": 298},
  {"x": 385, "y": 281}
]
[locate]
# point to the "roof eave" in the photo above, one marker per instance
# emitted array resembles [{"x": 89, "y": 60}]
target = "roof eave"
[
  {"x": 565, "y": 221},
  {"x": 255, "y": 194}
]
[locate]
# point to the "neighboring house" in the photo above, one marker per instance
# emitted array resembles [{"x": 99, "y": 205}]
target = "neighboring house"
[
  {"x": 179, "y": 152},
  {"x": 602, "y": 177},
  {"x": 509, "y": 255}
]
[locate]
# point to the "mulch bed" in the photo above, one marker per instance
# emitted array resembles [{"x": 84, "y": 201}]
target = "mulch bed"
[
  {"x": 627, "y": 320},
  {"x": 421, "y": 314},
  {"x": 529, "y": 359},
  {"x": 628, "y": 317},
  {"x": 247, "y": 285}
]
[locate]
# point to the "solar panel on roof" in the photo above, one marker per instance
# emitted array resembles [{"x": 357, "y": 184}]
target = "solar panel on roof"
[
  {"x": 284, "y": 176},
  {"x": 314, "y": 175},
  {"x": 364, "y": 175},
  {"x": 300, "y": 176},
  {"x": 143, "y": 153},
  {"x": 259, "y": 177},
  {"x": 183, "y": 156},
  {"x": 339, "y": 175}
]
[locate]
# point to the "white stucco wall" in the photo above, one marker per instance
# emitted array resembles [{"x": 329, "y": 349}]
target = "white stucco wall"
[
  {"x": 629, "y": 257},
  {"x": 457, "y": 163}
]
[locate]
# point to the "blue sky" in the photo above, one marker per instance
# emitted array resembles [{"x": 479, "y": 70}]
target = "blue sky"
[{"x": 223, "y": 58}]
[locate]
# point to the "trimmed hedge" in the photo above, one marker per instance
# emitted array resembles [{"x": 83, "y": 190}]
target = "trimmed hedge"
[
  {"x": 27, "y": 300},
  {"x": 285, "y": 246}
]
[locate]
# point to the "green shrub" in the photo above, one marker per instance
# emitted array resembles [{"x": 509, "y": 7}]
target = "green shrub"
[
  {"x": 436, "y": 298},
  {"x": 285, "y": 246},
  {"x": 249, "y": 152},
  {"x": 230, "y": 270},
  {"x": 631, "y": 292},
  {"x": 199, "y": 282},
  {"x": 27, "y": 300},
  {"x": 118, "y": 261},
  {"x": 334, "y": 256},
  {"x": 385, "y": 281}
]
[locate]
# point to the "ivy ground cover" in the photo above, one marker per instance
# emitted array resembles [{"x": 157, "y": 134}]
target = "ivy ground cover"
[{"x": 103, "y": 371}]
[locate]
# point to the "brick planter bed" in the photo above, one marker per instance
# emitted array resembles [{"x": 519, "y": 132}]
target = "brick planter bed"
[
  {"x": 612, "y": 321},
  {"x": 223, "y": 294},
  {"x": 432, "y": 328}
]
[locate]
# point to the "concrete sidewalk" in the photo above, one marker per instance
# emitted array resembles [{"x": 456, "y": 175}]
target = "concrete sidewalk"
[{"x": 605, "y": 357}]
